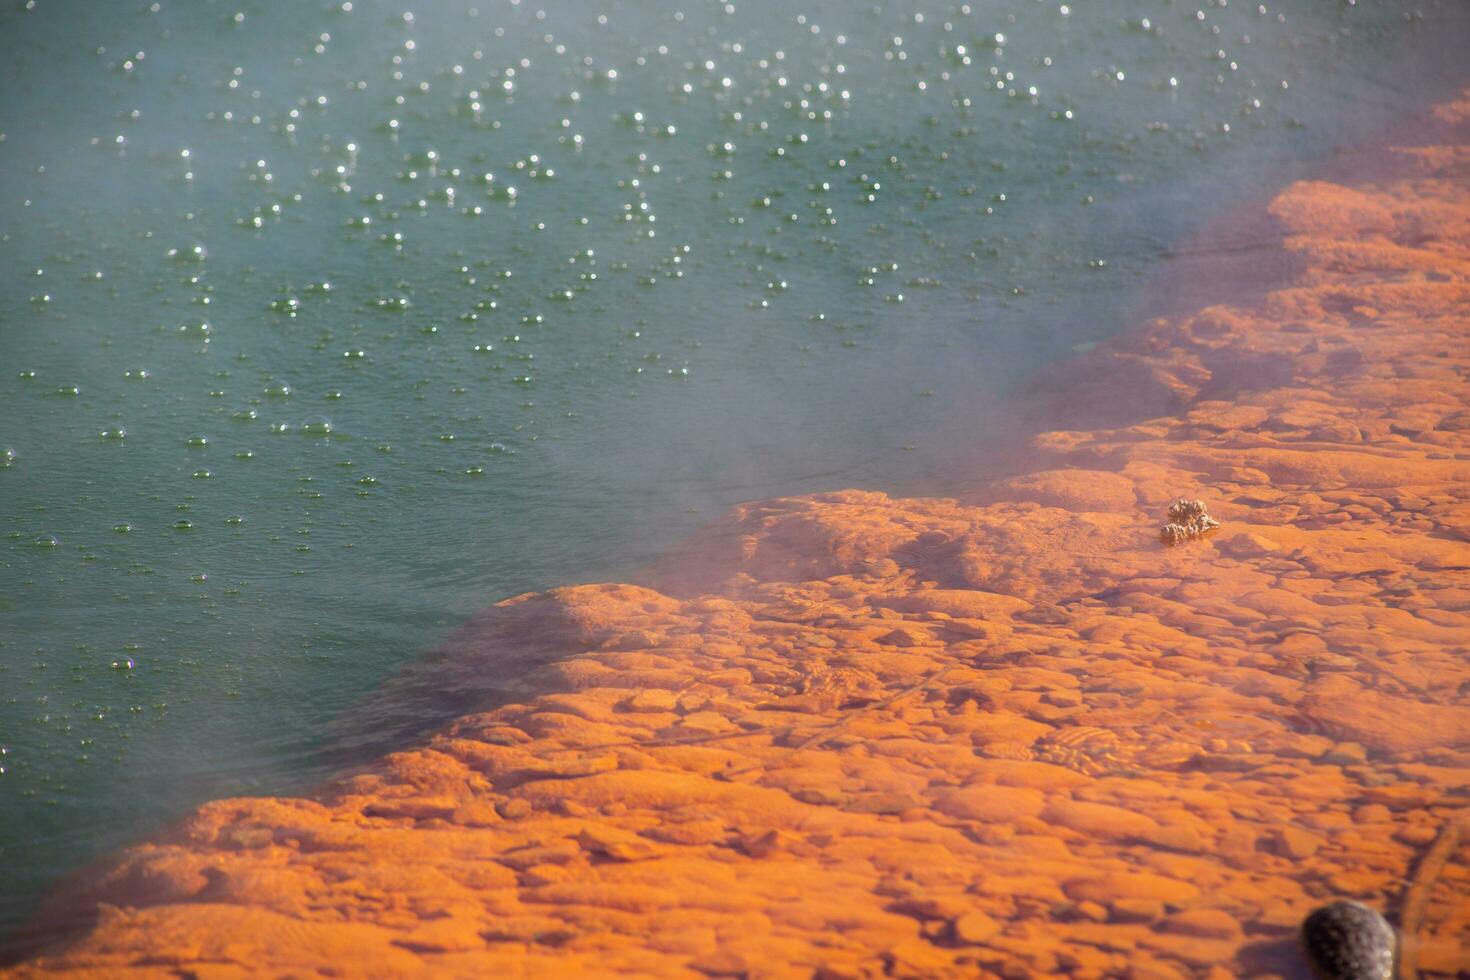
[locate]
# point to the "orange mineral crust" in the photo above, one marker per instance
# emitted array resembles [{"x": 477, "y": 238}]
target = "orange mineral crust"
[{"x": 1009, "y": 735}]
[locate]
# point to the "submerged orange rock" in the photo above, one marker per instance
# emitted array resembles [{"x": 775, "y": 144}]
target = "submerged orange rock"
[{"x": 850, "y": 735}]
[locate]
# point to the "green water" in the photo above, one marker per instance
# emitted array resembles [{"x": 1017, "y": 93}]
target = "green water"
[{"x": 323, "y": 326}]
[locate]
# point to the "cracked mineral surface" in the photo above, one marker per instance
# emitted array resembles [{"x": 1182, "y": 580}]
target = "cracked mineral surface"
[{"x": 1011, "y": 735}]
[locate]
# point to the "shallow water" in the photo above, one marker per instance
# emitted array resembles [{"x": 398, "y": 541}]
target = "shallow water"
[{"x": 291, "y": 385}]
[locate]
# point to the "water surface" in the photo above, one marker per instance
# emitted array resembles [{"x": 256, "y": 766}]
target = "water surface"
[{"x": 322, "y": 326}]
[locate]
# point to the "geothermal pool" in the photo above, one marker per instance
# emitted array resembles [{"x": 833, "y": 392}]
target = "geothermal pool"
[{"x": 324, "y": 325}]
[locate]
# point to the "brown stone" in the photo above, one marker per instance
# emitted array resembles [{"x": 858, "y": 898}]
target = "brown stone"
[
  {"x": 1372, "y": 813},
  {"x": 1247, "y": 544},
  {"x": 652, "y": 699},
  {"x": 1297, "y": 843},
  {"x": 990, "y": 803},
  {"x": 1346, "y": 754},
  {"x": 1129, "y": 885},
  {"x": 1136, "y": 909},
  {"x": 1100, "y": 820},
  {"x": 1209, "y": 923},
  {"x": 974, "y": 928}
]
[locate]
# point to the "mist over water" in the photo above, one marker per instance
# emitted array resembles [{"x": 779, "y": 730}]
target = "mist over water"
[{"x": 323, "y": 326}]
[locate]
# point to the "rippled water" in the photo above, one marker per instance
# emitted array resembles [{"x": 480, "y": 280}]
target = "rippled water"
[{"x": 323, "y": 326}]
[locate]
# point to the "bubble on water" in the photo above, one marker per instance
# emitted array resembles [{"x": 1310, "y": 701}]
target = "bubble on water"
[
  {"x": 47, "y": 541},
  {"x": 317, "y": 425},
  {"x": 234, "y": 519},
  {"x": 68, "y": 391},
  {"x": 280, "y": 390},
  {"x": 136, "y": 374},
  {"x": 368, "y": 481},
  {"x": 197, "y": 441},
  {"x": 183, "y": 525},
  {"x": 127, "y": 663},
  {"x": 188, "y": 255},
  {"x": 475, "y": 471},
  {"x": 118, "y": 432},
  {"x": 202, "y": 474},
  {"x": 7, "y": 457},
  {"x": 122, "y": 527},
  {"x": 280, "y": 428},
  {"x": 245, "y": 415}
]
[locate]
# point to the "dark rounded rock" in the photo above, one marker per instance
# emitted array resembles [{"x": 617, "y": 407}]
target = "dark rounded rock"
[{"x": 1348, "y": 941}]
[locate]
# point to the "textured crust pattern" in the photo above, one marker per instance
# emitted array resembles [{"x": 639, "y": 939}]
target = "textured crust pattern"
[{"x": 1003, "y": 736}]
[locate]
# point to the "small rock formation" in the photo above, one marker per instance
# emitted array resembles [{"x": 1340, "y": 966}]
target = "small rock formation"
[
  {"x": 1348, "y": 941},
  {"x": 1188, "y": 520}
]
